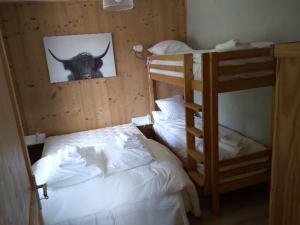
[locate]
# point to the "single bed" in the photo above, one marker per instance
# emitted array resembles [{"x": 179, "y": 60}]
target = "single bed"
[{"x": 156, "y": 193}]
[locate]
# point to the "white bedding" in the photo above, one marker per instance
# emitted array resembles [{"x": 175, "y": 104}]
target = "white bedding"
[
  {"x": 156, "y": 193},
  {"x": 197, "y": 66},
  {"x": 173, "y": 133}
]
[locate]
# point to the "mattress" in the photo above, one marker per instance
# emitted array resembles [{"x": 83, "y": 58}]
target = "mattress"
[
  {"x": 131, "y": 197},
  {"x": 174, "y": 134},
  {"x": 197, "y": 67}
]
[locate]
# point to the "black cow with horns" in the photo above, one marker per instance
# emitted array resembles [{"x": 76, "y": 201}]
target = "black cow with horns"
[{"x": 84, "y": 65}]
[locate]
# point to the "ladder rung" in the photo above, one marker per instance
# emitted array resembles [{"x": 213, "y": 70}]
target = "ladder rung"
[
  {"x": 193, "y": 106},
  {"x": 196, "y": 155},
  {"x": 196, "y": 132},
  {"x": 197, "y": 177}
]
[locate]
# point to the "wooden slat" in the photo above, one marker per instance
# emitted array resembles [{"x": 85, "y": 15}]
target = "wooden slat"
[
  {"x": 177, "y": 81},
  {"x": 167, "y": 57},
  {"x": 179, "y": 69},
  {"x": 197, "y": 85},
  {"x": 244, "y": 158},
  {"x": 246, "y": 68},
  {"x": 196, "y": 155},
  {"x": 197, "y": 177},
  {"x": 244, "y": 169},
  {"x": 196, "y": 132},
  {"x": 244, "y": 54},
  {"x": 287, "y": 50},
  {"x": 244, "y": 182},
  {"x": 243, "y": 84},
  {"x": 194, "y": 106}
]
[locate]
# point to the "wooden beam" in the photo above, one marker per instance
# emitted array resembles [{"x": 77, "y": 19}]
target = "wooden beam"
[
  {"x": 246, "y": 68},
  {"x": 194, "y": 131},
  {"x": 245, "y": 158},
  {"x": 196, "y": 155},
  {"x": 177, "y": 81},
  {"x": 287, "y": 50},
  {"x": 197, "y": 85},
  {"x": 194, "y": 106},
  {"x": 244, "y": 182},
  {"x": 179, "y": 69},
  {"x": 244, "y": 53},
  {"x": 245, "y": 169},
  {"x": 197, "y": 177},
  {"x": 167, "y": 57},
  {"x": 243, "y": 84}
]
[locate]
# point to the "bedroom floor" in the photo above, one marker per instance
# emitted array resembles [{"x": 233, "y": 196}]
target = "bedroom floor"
[{"x": 244, "y": 207}]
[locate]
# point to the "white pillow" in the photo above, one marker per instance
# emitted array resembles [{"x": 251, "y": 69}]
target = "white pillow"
[
  {"x": 158, "y": 116},
  {"x": 172, "y": 108},
  {"x": 170, "y": 47}
]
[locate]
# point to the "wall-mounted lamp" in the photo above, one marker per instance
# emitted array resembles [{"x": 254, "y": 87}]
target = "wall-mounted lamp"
[
  {"x": 117, "y": 5},
  {"x": 138, "y": 51}
]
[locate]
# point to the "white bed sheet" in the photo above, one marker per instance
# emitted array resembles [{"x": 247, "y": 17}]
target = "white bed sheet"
[
  {"x": 173, "y": 133},
  {"x": 114, "y": 200},
  {"x": 197, "y": 66}
]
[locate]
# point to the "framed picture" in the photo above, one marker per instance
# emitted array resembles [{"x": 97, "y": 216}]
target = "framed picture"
[{"x": 79, "y": 57}]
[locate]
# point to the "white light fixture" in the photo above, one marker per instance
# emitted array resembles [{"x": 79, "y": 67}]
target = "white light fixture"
[{"x": 117, "y": 5}]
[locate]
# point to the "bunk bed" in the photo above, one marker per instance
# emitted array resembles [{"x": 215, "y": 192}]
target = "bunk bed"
[{"x": 219, "y": 72}]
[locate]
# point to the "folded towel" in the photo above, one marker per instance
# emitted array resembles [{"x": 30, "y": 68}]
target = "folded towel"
[
  {"x": 234, "y": 151},
  {"x": 70, "y": 166},
  {"x": 227, "y": 45},
  {"x": 132, "y": 152},
  {"x": 69, "y": 157},
  {"x": 234, "y": 142}
]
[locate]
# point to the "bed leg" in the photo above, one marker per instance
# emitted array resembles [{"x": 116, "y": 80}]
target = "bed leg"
[{"x": 215, "y": 203}]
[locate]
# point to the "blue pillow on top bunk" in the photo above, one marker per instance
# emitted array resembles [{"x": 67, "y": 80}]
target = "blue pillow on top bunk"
[{"x": 173, "y": 108}]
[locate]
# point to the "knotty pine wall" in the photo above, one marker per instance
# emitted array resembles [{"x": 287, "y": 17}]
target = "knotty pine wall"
[{"x": 82, "y": 105}]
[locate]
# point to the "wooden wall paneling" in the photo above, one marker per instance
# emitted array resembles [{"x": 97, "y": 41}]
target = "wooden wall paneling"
[
  {"x": 82, "y": 105},
  {"x": 285, "y": 186}
]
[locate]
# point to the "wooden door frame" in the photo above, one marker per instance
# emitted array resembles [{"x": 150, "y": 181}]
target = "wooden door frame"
[{"x": 34, "y": 208}]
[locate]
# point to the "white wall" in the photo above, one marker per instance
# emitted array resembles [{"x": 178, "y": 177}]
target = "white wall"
[{"x": 215, "y": 21}]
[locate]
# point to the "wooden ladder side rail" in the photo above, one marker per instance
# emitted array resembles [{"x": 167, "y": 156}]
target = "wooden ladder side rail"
[
  {"x": 206, "y": 118},
  {"x": 189, "y": 114},
  {"x": 214, "y": 125},
  {"x": 152, "y": 91}
]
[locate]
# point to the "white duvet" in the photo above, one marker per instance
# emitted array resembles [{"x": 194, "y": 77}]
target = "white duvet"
[{"x": 126, "y": 197}]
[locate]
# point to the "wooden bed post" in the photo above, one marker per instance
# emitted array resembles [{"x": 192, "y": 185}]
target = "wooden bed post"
[
  {"x": 152, "y": 92},
  {"x": 206, "y": 118},
  {"x": 189, "y": 114},
  {"x": 214, "y": 132}
]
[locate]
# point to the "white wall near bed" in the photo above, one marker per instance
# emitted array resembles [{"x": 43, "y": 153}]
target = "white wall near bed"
[{"x": 212, "y": 21}]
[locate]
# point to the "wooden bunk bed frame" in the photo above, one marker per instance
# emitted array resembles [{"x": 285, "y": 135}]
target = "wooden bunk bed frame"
[{"x": 210, "y": 86}]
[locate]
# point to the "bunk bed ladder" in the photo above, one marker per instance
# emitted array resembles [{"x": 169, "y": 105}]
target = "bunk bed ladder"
[{"x": 192, "y": 132}]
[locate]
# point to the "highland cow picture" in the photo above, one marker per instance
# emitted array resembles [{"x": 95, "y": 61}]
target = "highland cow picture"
[{"x": 79, "y": 57}]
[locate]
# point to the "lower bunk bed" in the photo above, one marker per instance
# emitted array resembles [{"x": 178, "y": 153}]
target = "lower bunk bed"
[
  {"x": 233, "y": 146},
  {"x": 113, "y": 176}
]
